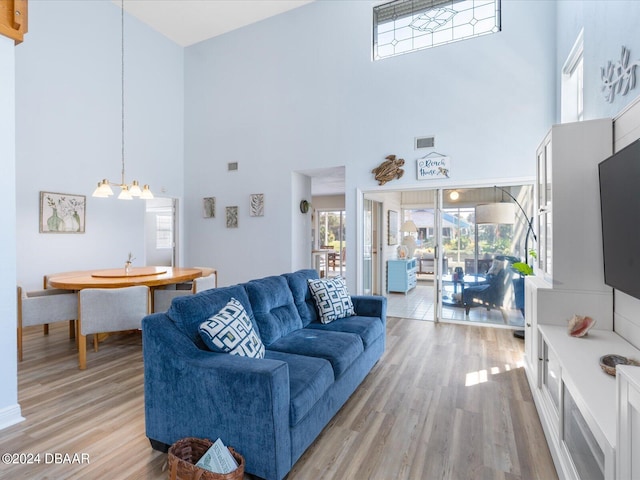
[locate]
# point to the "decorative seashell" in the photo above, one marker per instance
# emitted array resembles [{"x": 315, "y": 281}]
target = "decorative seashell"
[{"x": 580, "y": 325}]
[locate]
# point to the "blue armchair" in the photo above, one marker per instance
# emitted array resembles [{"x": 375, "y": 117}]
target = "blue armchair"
[{"x": 491, "y": 294}]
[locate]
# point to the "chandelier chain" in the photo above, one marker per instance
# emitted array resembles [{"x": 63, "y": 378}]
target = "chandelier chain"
[
  {"x": 122, "y": 81},
  {"x": 127, "y": 192}
]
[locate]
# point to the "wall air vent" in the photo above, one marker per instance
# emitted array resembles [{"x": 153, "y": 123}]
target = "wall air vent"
[
  {"x": 425, "y": 142},
  {"x": 232, "y": 166}
]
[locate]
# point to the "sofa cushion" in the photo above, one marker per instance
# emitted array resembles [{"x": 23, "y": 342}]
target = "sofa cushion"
[
  {"x": 189, "y": 311},
  {"x": 231, "y": 331},
  {"x": 273, "y": 308},
  {"x": 368, "y": 328},
  {"x": 302, "y": 295},
  {"x": 340, "y": 348},
  {"x": 309, "y": 379},
  {"x": 332, "y": 298}
]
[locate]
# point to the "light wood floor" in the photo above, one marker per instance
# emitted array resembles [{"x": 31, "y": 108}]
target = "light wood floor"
[
  {"x": 445, "y": 402},
  {"x": 418, "y": 303}
]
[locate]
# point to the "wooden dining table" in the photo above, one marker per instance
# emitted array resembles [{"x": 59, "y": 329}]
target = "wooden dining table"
[{"x": 152, "y": 277}]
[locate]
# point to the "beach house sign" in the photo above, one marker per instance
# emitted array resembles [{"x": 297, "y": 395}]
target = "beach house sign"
[{"x": 432, "y": 166}]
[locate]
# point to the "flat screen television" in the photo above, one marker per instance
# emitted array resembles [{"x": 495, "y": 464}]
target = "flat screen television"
[{"x": 620, "y": 210}]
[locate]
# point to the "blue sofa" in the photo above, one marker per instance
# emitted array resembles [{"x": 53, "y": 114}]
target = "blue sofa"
[{"x": 270, "y": 410}]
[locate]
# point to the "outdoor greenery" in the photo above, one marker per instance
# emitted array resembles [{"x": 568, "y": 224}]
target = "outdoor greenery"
[
  {"x": 492, "y": 240},
  {"x": 329, "y": 234}
]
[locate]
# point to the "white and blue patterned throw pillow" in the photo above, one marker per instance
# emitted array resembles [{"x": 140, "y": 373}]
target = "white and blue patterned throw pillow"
[
  {"x": 332, "y": 299},
  {"x": 231, "y": 331}
]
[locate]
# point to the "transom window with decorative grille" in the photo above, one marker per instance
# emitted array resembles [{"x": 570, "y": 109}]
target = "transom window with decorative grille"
[{"x": 404, "y": 26}]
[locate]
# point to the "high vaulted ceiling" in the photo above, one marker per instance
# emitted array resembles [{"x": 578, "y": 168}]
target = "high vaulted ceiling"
[{"x": 191, "y": 21}]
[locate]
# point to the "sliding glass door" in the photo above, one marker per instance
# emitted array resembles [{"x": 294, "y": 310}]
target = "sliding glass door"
[
  {"x": 421, "y": 232},
  {"x": 371, "y": 284},
  {"x": 459, "y": 250},
  {"x": 439, "y": 258}
]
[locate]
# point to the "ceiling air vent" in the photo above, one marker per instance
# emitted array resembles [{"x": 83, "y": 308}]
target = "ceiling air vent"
[
  {"x": 232, "y": 166},
  {"x": 425, "y": 142}
]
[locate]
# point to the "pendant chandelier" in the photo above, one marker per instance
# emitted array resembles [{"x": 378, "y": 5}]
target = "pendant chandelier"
[{"x": 127, "y": 192}]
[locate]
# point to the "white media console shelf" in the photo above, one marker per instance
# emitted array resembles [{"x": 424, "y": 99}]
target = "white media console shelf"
[
  {"x": 577, "y": 401},
  {"x": 628, "y": 442}
]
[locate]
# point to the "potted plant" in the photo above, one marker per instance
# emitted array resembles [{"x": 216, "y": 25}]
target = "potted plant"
[{"x": 523, "y": 269}]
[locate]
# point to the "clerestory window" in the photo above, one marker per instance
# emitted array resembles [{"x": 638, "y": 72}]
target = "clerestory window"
[
  {"x": 404, "y": 26},
  {"x": 572, "y": 95},
  {"x": 164, "y": 231}
]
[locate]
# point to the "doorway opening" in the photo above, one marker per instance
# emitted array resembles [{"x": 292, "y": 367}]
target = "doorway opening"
[
  {"x": 372, "y": 245},
  {"x": 160, "y": 232},
  {"x": 463, "y": 260},
  {"x": 331, "y": 228}
]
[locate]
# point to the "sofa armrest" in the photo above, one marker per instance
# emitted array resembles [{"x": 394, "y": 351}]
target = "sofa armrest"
[
  {"x": 370, "y": 306},
  {"x": 195, "y": 393}
]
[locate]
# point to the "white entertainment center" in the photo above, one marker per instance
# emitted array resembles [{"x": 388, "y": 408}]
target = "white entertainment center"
[{"x": 588, "y": 417}]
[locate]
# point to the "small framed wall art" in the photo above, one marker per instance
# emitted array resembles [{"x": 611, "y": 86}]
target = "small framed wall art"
[
  {"x": 256, "y": 205},
  {"x": 232, "y": 217},
  {"x": 62, "y": 212},
  {"x": 209, "y": 207}
]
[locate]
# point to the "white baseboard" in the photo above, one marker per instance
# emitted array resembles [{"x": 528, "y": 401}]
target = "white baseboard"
[{"x": 10, "y": 416}]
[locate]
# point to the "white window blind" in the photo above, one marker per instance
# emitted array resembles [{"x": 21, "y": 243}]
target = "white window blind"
[{"x": 164, "y": 231}]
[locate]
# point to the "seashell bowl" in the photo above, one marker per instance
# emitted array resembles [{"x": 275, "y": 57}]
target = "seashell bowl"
[{"x": 609, "y": 362}]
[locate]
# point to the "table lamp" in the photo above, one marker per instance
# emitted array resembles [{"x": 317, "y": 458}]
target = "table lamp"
[{"x": 408, "y": 241}]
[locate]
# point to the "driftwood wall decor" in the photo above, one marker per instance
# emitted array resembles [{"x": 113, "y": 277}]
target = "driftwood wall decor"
[{"x": 389, "y": 169}]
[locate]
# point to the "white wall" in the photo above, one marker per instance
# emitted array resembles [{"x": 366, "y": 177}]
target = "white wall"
[
  {"x": 68, "y": 130},
  {"x": 9, "y": 408},
  {"x": 301, "y": 238},
  {"x": 299, "y": 91},
  {"x": 607, "y": 27}
]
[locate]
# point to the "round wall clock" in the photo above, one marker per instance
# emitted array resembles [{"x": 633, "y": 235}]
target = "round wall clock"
[{"x": 304, "y": 206}]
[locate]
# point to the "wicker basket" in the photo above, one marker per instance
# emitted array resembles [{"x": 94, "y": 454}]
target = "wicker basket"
[{"x": 185, "y": 453}]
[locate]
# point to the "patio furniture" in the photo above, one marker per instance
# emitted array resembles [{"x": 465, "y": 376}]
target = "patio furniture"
[
  {"x": 454, "y": 284},
  {"x": 426, "y": 264},
  {"x": 484, "y": 264},
  {"x": 491, "y": 295}
]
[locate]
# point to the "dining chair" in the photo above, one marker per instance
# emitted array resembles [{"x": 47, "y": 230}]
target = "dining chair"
[
  {"x": 42, "y": 307},
  {"x": 72, "y": 324},
  {"x": 45, "y": 327},
  {"x": 205, "y": 283},
  {"x": 206, "y": 271},
  {"x": 162, "y": 298},
  {"x": 105, "y": 310}
]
